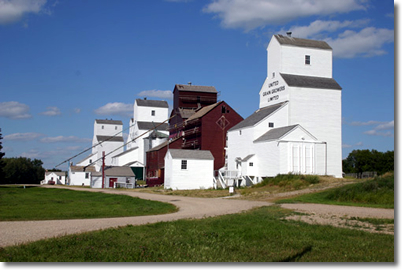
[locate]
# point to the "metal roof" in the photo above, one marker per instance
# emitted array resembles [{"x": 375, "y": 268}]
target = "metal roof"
[
  {"x": 109, "y": 138},
  {"x": 151, "y": 125},
  {"x": 257, "y": 116},
  {"x": 310, "y": 82},
  {"x": 203, "y": 111},
  {"x": 275, "y": 133},
  {"x": 83, "y": 169},
  {"x": 301, "y": 42},
  {"x": 191, "y": 154},
  {"x": 116, "y": 171},
  {"x": 111, "y": 122},
  {"x": 152, "y": 103},
  {"x": 195, "y": 88}
]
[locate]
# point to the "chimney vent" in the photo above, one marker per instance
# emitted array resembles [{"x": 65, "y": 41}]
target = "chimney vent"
[
  {"x": 189, "y": 83},
  {"x": 289, "y": 34}
]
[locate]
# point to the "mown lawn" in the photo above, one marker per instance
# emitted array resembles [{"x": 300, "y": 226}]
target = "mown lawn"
[
  {"x": 377, "y": 192},
  {"x": 35, "y": 203},
  {"x": 259, "y": 235}
]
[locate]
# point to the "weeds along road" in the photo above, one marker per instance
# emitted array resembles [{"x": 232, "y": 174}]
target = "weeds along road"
[{"x": 18, "y": 232}]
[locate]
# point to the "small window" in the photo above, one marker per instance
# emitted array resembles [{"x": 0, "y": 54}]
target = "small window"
[
  {"x": 86, "y": 175},
  {"x": 251, "y": 164},
  {"x": 223, "y": 109},
  {"x": 307, "y": 59},
  {"x": 153, "y": 113},
  {"x": 184, "y": 164},
  {"x": 270, "y": 124},
  {"x": 239, "y": 132},
  {"x": 115, "y": 128},
  {"x": 273, "y": 75},
  {"x": 103, "y": 127}
]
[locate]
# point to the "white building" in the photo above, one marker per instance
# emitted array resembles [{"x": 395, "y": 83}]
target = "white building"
[
  {"x": 297, "y": 128},
  {"x": 189, "y": 169},
  {"x": 148, "y": 129},
  {"x": 114, "y": 177},
  {"x": 58, "y": 178},
  {"x": 80, "y": 175}
]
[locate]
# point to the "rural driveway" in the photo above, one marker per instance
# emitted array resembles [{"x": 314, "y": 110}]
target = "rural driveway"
[{"x": 18, "y": 232}]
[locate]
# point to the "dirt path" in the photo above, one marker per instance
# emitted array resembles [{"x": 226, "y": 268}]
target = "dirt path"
[{"x": 17, "y": 232}]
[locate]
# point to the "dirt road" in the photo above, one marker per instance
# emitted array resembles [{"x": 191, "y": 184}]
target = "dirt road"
[{"x": 17, "y": 232}]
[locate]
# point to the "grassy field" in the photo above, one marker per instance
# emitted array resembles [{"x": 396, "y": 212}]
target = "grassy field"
[
  {"x": 377, "y": 192},
  {"x": 260, "y": 235},
  {"x": 35, "y": 203}
]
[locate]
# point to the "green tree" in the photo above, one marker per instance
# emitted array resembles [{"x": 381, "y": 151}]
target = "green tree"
[
  {"x": 22, "y": 171},
  {"x": 1, "y": 161},
  {"x": 359, "y": 161}
]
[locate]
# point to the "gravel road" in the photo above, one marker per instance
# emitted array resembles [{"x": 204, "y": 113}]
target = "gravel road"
[{"x": 18, "y": 232}]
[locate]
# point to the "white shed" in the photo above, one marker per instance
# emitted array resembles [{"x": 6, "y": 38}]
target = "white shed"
[
  {"x": 58, "y": 178},
  {"x": 114, "y": 177},
  {"x": 189, "y": 169}
]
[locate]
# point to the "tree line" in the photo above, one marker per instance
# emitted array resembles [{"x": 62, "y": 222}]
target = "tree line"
[
  {"x": 20, "y": 170},
  {"x": 359, "y": 161}
]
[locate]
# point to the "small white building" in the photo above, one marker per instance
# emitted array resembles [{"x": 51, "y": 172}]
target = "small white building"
[
  {"x": 114, "y": 177},
  {"x": 56, "y": 178},
  {"x": 80, "y": 175},
  {"x": 189, "y": 169},
  {"x": 298, "y": 126}
]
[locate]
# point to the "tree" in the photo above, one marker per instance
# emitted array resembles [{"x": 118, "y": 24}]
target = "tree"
[
  {"x": 1, "y": 161},
  {"x": 359, "y": 161},
  {"x": 22, "y": 171}
]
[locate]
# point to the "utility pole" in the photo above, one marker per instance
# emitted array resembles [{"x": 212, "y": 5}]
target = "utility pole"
[{"x": 103, "y": 169}]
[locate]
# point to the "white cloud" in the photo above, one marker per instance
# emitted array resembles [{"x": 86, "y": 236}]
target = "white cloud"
[
  {"x": 368, "y": 123},
  {"x": 116, "y": 108},
  {"x": 59, "y": 139},
  {"x": 14, "y": 110},
  {"x": 77, "y": 110},
  {"x": 381, "y": 129},
  {"x": 366, "y": 43},
  {"x": 51, "y": 111},
  {"x": 250, "y": 14},
  {"x": 29, "y": 136},
  {"x": 13, "y": 10},
  {"x": 346, "y": 146},
  {"x": 164, "y": 94},
  {"x": 318, "y": 27}
]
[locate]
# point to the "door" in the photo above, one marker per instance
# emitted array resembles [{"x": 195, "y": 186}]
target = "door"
[{"x": 112, "y": 181}]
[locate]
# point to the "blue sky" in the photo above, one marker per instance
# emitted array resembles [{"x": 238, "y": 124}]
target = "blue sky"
[{"x": 64, "y": 64}]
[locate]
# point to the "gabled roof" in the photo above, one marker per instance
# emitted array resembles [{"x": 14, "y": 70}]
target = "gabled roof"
[
  {"x": 151, "y": 125},
  {"x": 126, "y": 152},
  {"x": 310, "y": 82},
  {"x": 191, "y": 154},
  {"x": 186, "y": 113},
  {"x": 247, "y": 158},
  {"x": 110, "y": 138},
  {"x": 257, "y": 116},
  {"x": 110, "y": 122},
  {"x": 152, "y": 103},
  {"x": 301, "y": 42},
  {"x": 276, "y": 133},
  {"x": 195, "y": 88},
  {"x": 87, "y": 157},
  {"x": 203, "y": 111},
  {"x": 83, "y": 169},
  {"x": 116, "y": 171},
  {"x": 56, "y": 173}
]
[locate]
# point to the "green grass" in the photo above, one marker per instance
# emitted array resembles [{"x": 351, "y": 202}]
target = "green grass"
[
  {"x": 260, "y": 235},
  {"x": 378, "y": 192},
  {"x": 35, "y": 203},
  {"x": 289, "y": 181}
]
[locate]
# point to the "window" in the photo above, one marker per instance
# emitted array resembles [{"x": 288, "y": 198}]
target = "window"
[
  {"x": 273, "y": 75},
  {"x": 251, "y": 164},
  {"x": 223, "y": 109},
  {"x": 153, "y": 113},
  {"x": 103, "y": 127},
  {"x": 239, "y": 132},
  {"x": 307, "y": 60},
  {"x": 86, "y": 175},
  {"x": 90, "y": 161},
  {"x": 115, "y": 128},
  {"x": 184, "y": 164},
  {"x": 270, "y": 124}
]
